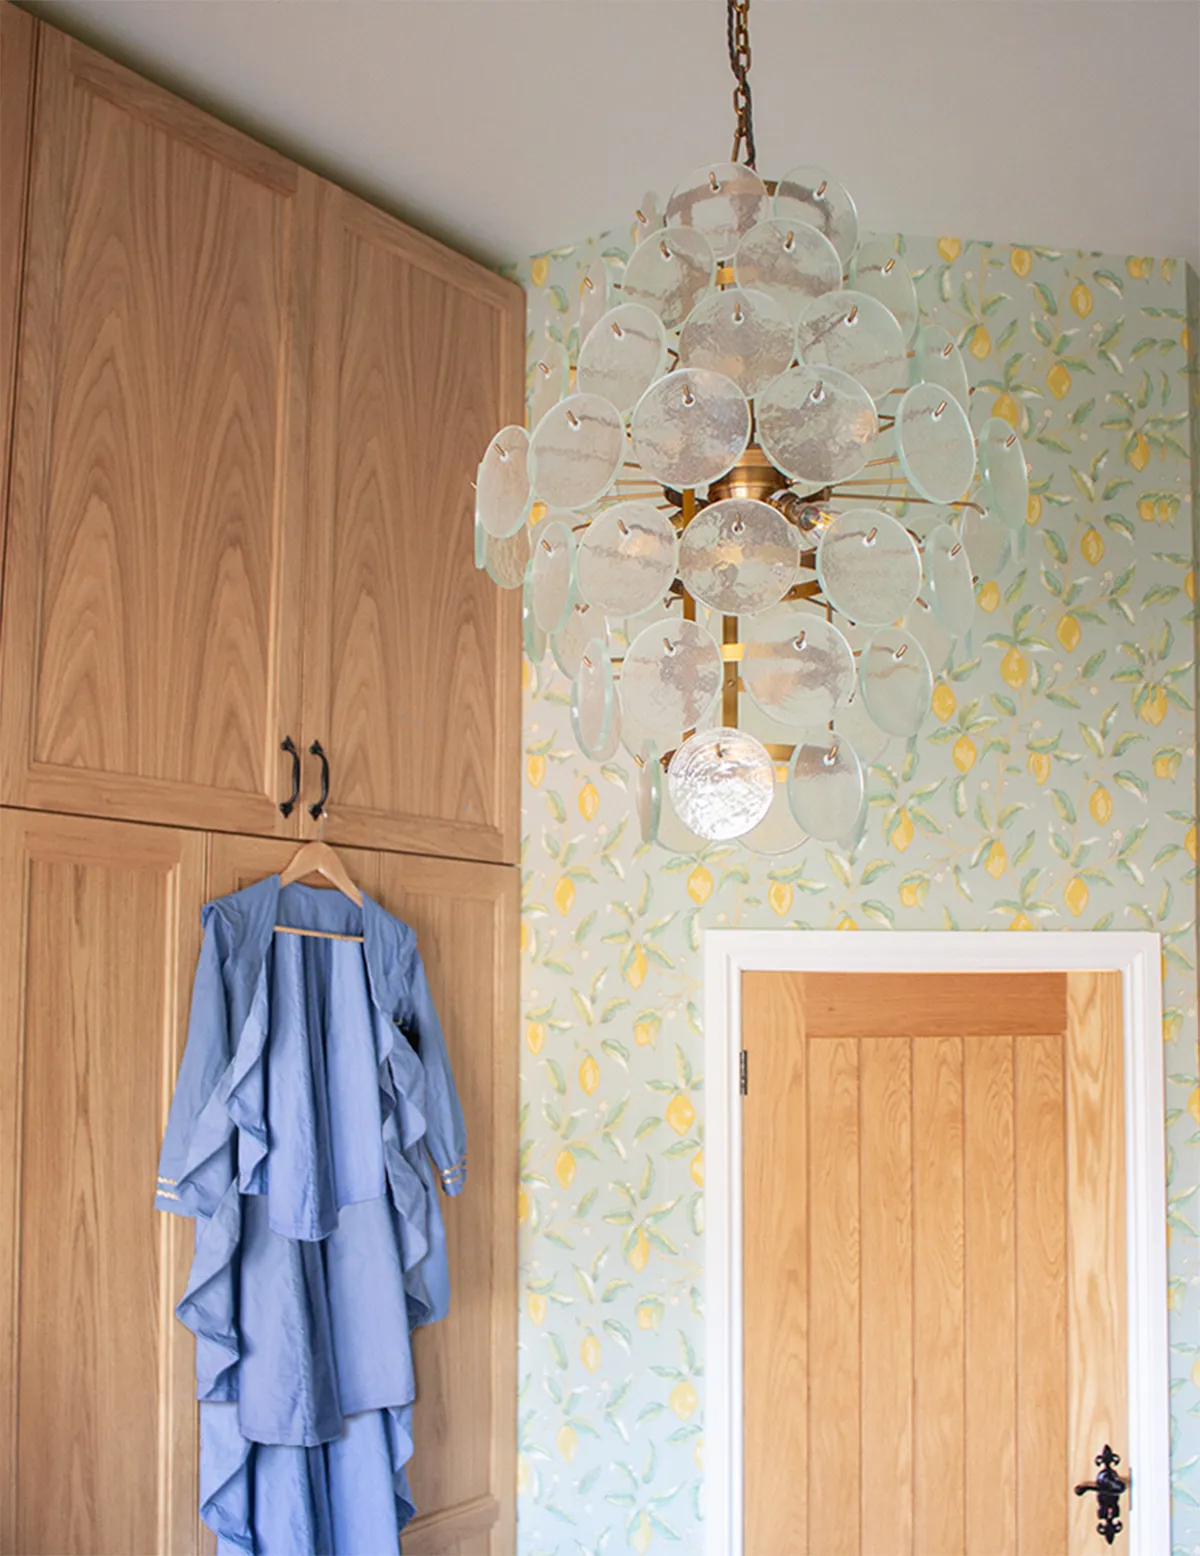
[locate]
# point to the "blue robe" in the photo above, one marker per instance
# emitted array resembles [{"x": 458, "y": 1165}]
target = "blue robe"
[{"x": 313, "y": 1093}]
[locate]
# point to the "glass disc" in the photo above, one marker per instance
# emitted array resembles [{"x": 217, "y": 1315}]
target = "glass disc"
[
  {"x": 880, "y": 272},
  {"x": 935, "y": 443},
  {"x": 593, "y": 297},
  {"x": 938, "y": 644},
  {"x": 690, "y": 427},
  {"x": 568, "y": 643},
  {"x": 797, "y": 666},
  {"x": 856, "y": 333},
  {"x": 825, "y": 784},
  {"x": 869, "y": 566},
  {"x": 669, "y": 272},
  {"x": 861, "y": 730},
  {"x": 648, "y": 792},
  {"x": 950, "y": 586},
  {"x": 778, "y": 833},
  {"x": 506, "y": 557},
  {"x": 791, "y": 262},
  {"x": 745, "y": 335},
  {"x": 671, "y": 677},
  {"x": 987, "y": 543},
  {"x": 807, "y": 194},
  {"x": 549, "y": 380},
  {"x": 1005, "y": 477},
  {"x": 626, "y": 560},
  {"x": 739, "y": 556},
  {"x": 721, "y": 783},
  {"x": 723, "y": 201},
  {"x": 502, "y": 493},
  {"x": 816, "y": 424},
  {"x": 623, "y": 355},
  {"x": 552, "y": 574},
  {"x": 896, "y": 682},
  {"x": 937, "y": 360},
  {"x": 576, "y": 450},
  {"x": 592, "y": 699},
  {"x": 533, "y": 638}
]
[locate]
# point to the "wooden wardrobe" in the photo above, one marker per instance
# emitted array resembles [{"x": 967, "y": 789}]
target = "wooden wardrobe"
[{"x": 240, "y": 411}]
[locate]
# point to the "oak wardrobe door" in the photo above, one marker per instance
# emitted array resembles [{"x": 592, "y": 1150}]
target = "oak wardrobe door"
[
  {"x": 150, "y": 651},
  {"x": 99, "y": 932},
  {"x": 18, "y": 33},
  {"x": 412, "y": 662}
]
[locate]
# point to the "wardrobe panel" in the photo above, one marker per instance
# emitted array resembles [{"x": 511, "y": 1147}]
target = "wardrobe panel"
[
  {"x": 18, "y": 39},
  {"x": 150, "y": 663}
]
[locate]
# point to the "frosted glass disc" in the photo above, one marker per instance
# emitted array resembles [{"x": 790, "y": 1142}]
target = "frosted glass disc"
[
  {"x": 790, "y": 261},
  {"x": 951, "y": 589},
  {"x": 896, "y": 682},
  {"x": 506, "y": 557},
  {"x": 937, "y": 360},
  {"x": 721, "y": 783},
  {"x": 922, "y": 624},
  {"x": 533, "y": 638},
  {"x": 552, "y": 575},
  {"x": 594, "y": 288},
  {"x": 671, "y": 676},
  {"x": 576, "y": 450},
  {"x": 987, "y": 543},
  {"x": 568, "y": 643},
  {"x": 745, "y": 335},
  {"x": 869, "y": 566},
  {"x": 592, "y": 699},
  {"x": 550, "y": 378},
  {"x": 825, "y": 784},
  {"x": 648, "y": 793},
  {"x": 723, "y": 200},
  {"x": 880, "y": 272},
  {"x": 739, "y": 556},
  {"x": 690, "y": 427},
  {"x": 626, "y": 558},
  {"x": 1005, "y": 477},
  {"x": 816, "y": 424},
  {"x": 623, "y": 355},
  {"x": 808, "y": 194},
  {"x": 502, "y": 493},
  {"x": 797, "y": 666},
  {"x": 669, "y": 272},
  {"x": 778, "y": 833},
  {"x": 854, "y": 332},
  {"x": 861, "y": 730},
  {"x": 935, "y": 443}
]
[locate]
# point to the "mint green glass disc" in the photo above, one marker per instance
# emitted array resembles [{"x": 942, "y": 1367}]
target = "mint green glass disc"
[
  {"x": 937, "y": 360},
  {"x": 817, "y": 425},
  {"x": 576, "y": 450},
  {"x": 502, "y": 492},
  {"x": 808, "y": 194},
  {"x": 533, "y": 638},
  {"x": 869, "y": 567},
  {"x": 623, "y": 354},
  {"x": 880, "y": 272},
  {"x": 825, "y": 784},
  {"x": 1005, "y": 476},
  {"x": 896, "y": 682},
  {"x": 745, "y": 335},
  {"x": 790, "y": 261},
  {"x": 592, "y": 700},
  {"x": 723, "y": 201},
  {"x": 669, "y": 272},
  {"x": 552, "y": 575},
  {"x": 950, "y": 586},
  {"x": 690, "y": 427},
  {"x": 721, "y": 783},
  {"x": 856, "y": 334},
  {"x": 506, "y": 557},
  {"x": 935, "y": 443}
]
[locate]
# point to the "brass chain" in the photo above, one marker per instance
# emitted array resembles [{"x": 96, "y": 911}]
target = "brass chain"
[{"x": 738, "y": 32}]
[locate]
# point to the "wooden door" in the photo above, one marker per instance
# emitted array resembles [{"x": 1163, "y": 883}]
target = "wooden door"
[
  {"x": 933, "y": 1261},
  {"x": 150, "y": 655},
  {"x": 412, "y": 656},
  {"x": 99, "y": 931},
  {"x": 463, "y": 1473},
  {"x": 18, "y": 33}
]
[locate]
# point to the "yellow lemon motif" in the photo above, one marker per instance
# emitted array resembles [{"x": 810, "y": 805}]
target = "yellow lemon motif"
[
  {"x": 997, "y": 861},
  {"x": 981, "y": 342},
  {"x": 779, "y": 895},
  {"x": 524, "y": 1480},
  {"x": 846, "y": 922},
  {"x": 535, "y": 1036},
  {"x": 1019, "y": 921},
  {"x": 635, "y": 973},
  {"x": 567, "y": 1442},
  {"x": 642, "y": 1535},
  {"x": 538, "y": 511},
  {"x": 1163, "y": 510},
  {"x": 588, "y": 801},
  {"x": 539, "y": 270},
  {"x": 564, "y": 1168},
  {"x": 644, "y": 1032},
  {"x": 1021, "y": 261},
  {"x": 944, "y": 702},
  {"x": 683, "y": 1399},
  {"x": 1137, "y": 267},
  {"x": 1058, "y": 380},
  {"x": 1091, "y": 544},
  {"x": 1189, "y": 842},
  {"x": 536, "y": 1306},
  {"x": 1194, "y": 1103},
  {"x": 589, "y": 1352},
  {"x": 1076, "y": 894},
  {"x": 1100, "y": 805},
  {"x": 700, "y": 884},
  {"x": 1146, "y": 510},
  {"x": 681, "y": 1115},
  {"x": 1039, "y": 765},
  {"x": 909, "y": 895},
  {"x": 1185, "y": 338},
  {"x": 1154, "y": 708},
  {"x": 522, "y": 1205},
  {"x": 1139, "y": 454},
  {"x": 589, "y": 1075},
  {"x": 1014, "y": 668},
  {"x": 1189, "y": 585},
  {"x": 525, "y": 936},
  {"x": 647, "y": 1315},
  {"x": 696, "y": 1169},
  {"x": 639, "y": 1251},
  {"x": 1081, "y": 299},
  {"x": 902, "y": 832},
  {"x": 535, "y": 770},
  {"x": 698, "y": 1454},
  {"x": 1008, "y": 410},
  {"x": 1166, "y": 764},
  {"x": 1068, "y": 632},
  {"x": 964, "y": 753},
  {"x": 989, "y": 597},
  {"x": 564, "y": 894},
  {"x": 949, "y": 249},
  {"x": 1033, "y": 508}
]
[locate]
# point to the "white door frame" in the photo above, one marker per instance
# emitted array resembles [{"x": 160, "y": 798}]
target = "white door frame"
[{"x": 1136, "y": 956}]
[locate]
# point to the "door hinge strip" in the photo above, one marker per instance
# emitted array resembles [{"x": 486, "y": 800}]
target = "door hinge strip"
[{"x": 743, "y": 1073}]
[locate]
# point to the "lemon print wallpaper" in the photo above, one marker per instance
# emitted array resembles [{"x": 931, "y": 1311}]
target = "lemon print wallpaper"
[{"x": 1054, "y": 786}]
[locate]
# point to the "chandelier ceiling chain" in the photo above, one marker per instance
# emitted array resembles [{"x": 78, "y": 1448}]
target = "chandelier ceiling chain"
[{"x": 738, "y": 33}]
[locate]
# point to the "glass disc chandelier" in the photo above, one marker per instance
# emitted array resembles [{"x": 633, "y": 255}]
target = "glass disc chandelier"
[{"x": 744, "y": 504}]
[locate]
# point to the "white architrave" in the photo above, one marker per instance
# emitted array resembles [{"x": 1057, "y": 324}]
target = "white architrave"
[{"x": 1136, "y": 956}]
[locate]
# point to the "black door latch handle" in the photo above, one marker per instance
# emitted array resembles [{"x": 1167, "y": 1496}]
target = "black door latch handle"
[{"x": 1109, "y": 1488}]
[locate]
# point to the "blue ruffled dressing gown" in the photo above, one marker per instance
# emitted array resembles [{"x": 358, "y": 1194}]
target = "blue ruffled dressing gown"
[{"x": 314, "y": 1090}]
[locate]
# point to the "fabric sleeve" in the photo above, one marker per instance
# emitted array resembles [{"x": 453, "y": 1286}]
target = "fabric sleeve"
[{"x": 446, "y": 1135}]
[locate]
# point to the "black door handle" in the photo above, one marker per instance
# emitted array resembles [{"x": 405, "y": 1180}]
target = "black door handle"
[
  {"x": 1108, "y": 1487},
  {"x": 315, "y": 810},
  {"x": 289, "y": 745}
]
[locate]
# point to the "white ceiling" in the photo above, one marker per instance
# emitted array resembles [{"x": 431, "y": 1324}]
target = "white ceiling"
[{"x": 510, "y": 126}]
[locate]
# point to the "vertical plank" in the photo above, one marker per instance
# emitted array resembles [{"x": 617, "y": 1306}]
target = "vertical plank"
[
  {"x": 1096, "y": 1394},
  {"x": 939, "y": 1523},
  {"x": 885, "y": 1146},
  {"x": 834, "y": 1434},
  {"x": 775, "y": 1265},
  {"x": 18, "y": 33},
  {"x": 1041, "y": 1316},
  {"x": 989, "y": 1216}
]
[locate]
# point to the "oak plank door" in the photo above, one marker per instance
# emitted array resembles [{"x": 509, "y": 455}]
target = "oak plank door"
[
  {"x": 149, "y": 665},
  {"x": 412, "y": 656},
  {"x": 18, "y": 33},
  {"x": 933, "y": 1261},
  {"x": 463, "y": 1472},
  {"x": 99, "y": 931}
]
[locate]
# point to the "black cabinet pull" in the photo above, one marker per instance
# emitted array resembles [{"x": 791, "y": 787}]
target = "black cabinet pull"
[
  {"x": 288, "y": 806},
  {"x": 317, "y": 808}
]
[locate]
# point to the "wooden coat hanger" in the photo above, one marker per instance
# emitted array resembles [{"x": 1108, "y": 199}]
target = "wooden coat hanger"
[{"x": 317, "y": 858}]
